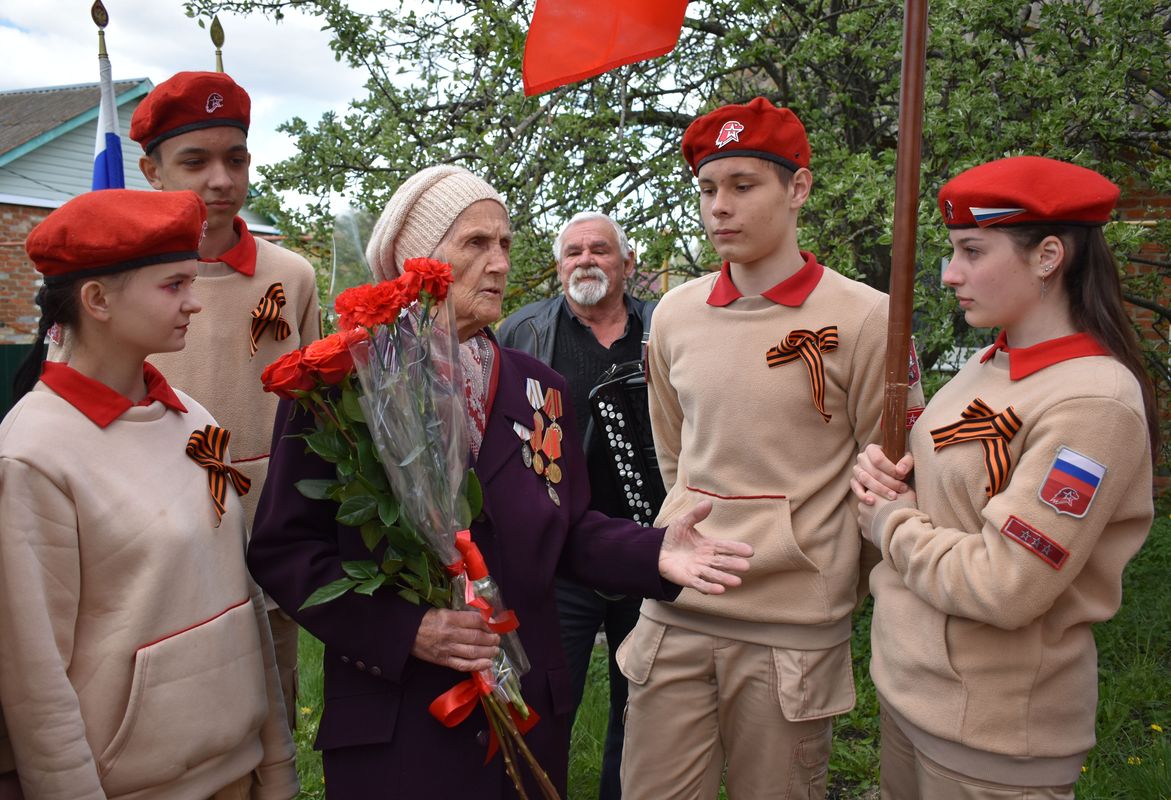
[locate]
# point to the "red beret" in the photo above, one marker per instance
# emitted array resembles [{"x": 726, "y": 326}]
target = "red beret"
[
  {"x": 1025, "y": 190},
  {"x": 186, "y": 102},
  {"x": 759, "y": 129},
  {"x": 112, "y": 230}
]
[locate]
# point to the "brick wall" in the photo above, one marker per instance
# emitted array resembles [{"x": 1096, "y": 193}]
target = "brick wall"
[{"x": 18, "y": 280}]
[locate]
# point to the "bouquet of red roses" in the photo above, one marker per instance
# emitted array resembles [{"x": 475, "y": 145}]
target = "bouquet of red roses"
[{"x": 388, "y": 399}]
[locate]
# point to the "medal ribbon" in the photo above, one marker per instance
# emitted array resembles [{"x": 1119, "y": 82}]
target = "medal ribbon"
[
  {"x": 268, "y": 312},
  {"x": 208, "y": 448},
  {"x": 993, "y": 431},
  {"x": 808, "y": 347}
]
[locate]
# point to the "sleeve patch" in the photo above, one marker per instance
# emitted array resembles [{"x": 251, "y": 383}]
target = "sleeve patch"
[
  {"x": 913, "y": 373},
  {"x": 1071, "y": 483},
  {"x": 913, "y": 415},
  {"x": 1038, "y": 543}
]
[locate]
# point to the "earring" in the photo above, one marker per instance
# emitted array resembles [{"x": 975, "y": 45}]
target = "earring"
[
  {"x": 1048, "y": 269},
  {"x": 1044, "y": 286}
]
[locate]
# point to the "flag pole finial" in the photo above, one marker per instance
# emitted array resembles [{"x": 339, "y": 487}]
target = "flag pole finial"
[
  {"x": 98, "y": 13},
  {"x": 217, "y": 38}
]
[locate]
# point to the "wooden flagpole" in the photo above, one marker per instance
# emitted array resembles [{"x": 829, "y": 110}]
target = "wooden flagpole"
[{"x": 906, "y": 219}]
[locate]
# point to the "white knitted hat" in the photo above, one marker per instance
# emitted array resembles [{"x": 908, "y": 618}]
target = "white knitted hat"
[{"x": 419, "y": 214}]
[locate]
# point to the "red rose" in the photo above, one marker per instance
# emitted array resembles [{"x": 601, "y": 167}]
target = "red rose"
[
  {"x": 330, "y": 358},
  {"x": 287, "y": 374},
  {"x": 436, "y": 275}
]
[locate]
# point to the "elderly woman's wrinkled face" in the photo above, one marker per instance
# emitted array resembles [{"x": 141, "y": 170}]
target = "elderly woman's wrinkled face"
[{"x": 477, "y": 247}]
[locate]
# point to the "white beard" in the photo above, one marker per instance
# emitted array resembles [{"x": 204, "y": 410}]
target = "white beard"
[{"x": 588, "y": 292}]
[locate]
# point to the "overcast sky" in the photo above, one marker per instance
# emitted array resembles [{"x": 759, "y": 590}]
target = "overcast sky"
[{"x": 287, "y": 68}]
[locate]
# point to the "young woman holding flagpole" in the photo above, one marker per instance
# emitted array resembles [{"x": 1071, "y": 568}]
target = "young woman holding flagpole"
[{"x": 1031, "y": 491}]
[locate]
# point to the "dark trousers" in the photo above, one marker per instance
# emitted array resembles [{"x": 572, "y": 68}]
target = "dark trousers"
[{"x": 583, "y": 611}]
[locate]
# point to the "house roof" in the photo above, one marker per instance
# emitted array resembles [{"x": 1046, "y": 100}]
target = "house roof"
[{"x": 31, "y": 117}]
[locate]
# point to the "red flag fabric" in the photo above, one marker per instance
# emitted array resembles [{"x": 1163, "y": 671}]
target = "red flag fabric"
[{"x": 571, "y": 40}]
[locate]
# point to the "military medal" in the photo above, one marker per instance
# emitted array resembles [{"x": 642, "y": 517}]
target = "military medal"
[
  {"x": 542, "y": 446},
  {"x": 526, "y": 452},
  {"x": 553, "y": 473}
]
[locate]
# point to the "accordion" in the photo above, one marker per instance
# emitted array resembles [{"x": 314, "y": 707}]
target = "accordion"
[{"x": 621, "y": 419}]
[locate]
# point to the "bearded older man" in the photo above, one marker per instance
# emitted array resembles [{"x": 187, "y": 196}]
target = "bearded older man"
[
  {"x": 385, "y": 659},
  {"x": 594, "y": 324}
]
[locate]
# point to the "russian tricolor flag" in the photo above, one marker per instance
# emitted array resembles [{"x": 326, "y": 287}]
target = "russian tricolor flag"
[
  {"x": 1071, "y": 483},
  {"x": 108, "y": 144}
]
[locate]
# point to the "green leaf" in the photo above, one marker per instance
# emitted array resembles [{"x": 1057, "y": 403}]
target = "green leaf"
[
  {"x": 329, "y": 591},
  {"x": 369, "y": 587},
  {"x": 410, "y": 596},
  {"x": 388, "y": 509},
  {"x": 411, "y": 456},
  {"x": 350, "y": 406},
  {"x": 361, "y": 570},
  {"x": 316, "y": 488},
  {"x": 474, "y": 493},
  {"x": 356, "y": 511},
  {"x": 328, "y": 444},
  {"x": 372, "y": 534},
  {"x": 392, "y": 566}
]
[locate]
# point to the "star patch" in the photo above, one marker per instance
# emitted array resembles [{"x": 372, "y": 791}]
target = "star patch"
[
  {"x": 913, "y": 415},
  {"x": 215, "y": 100},
  {"x": 729, "y": 133},
  {"x": 1072, "y": 481},
  {"x": 1038, "y": 543},
  {"x": 990, "y": 216}
]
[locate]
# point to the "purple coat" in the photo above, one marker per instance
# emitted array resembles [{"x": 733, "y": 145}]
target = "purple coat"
[{"x": 378, "y": 738}]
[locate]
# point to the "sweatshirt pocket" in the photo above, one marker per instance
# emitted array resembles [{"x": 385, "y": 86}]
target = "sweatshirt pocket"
[
  {"x": 195, "y": 695},
  {"x": 764, "y": 522}
]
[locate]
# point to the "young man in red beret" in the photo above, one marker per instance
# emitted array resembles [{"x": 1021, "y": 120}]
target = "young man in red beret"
[
  {"x": 765, "y": 379},
  {"x": 259, "y": 300}
]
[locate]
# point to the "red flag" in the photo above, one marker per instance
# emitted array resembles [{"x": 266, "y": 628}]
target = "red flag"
[{"x": 571, "y": 40}]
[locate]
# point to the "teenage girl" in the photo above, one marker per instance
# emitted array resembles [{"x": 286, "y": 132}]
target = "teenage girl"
[
  {"x": 1031, "y": 491},
  {"x": 135, "y": 656}
]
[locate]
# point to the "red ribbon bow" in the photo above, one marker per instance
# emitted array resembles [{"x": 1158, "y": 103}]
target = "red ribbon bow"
[
  {"x": 208, "y": 448},
  {"x": 456, "y": 704},
  {"x": 268, "y": 312}
]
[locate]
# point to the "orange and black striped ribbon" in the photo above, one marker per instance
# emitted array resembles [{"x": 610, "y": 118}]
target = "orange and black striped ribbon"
[
  {"x": 808, "y": 347},
  {"x": 993, "y": 431},
  {"x": 208, "y": 448},
  {"x": 268, "y": 312}
]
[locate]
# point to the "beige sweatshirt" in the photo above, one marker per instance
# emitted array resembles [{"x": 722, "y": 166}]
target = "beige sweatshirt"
[
  {"x": 983, "y": 607},
  {"x": 748, "y": 437},
  {"x": 217, "y": 368},
  {"x": 137, "y": 661}
]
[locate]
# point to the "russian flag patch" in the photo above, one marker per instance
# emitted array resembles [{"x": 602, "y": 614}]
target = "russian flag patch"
[
  {"x": 991, "y": 216},
  {"x": 1071, "y": 483}
]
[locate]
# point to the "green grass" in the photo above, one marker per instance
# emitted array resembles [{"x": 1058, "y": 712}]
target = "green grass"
[{"x": 1132, "y": 760}]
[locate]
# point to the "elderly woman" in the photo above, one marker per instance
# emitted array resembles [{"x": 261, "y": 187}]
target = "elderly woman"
[{"x": 386, "y": 659}]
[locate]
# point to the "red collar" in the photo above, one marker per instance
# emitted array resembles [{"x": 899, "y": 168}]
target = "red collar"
[
  {"x": 792, "y": 291},
  {"x": 241, "y": 257},
  {"x": 1024, "y": 361},
  {"x": 98, "y": 401}
]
